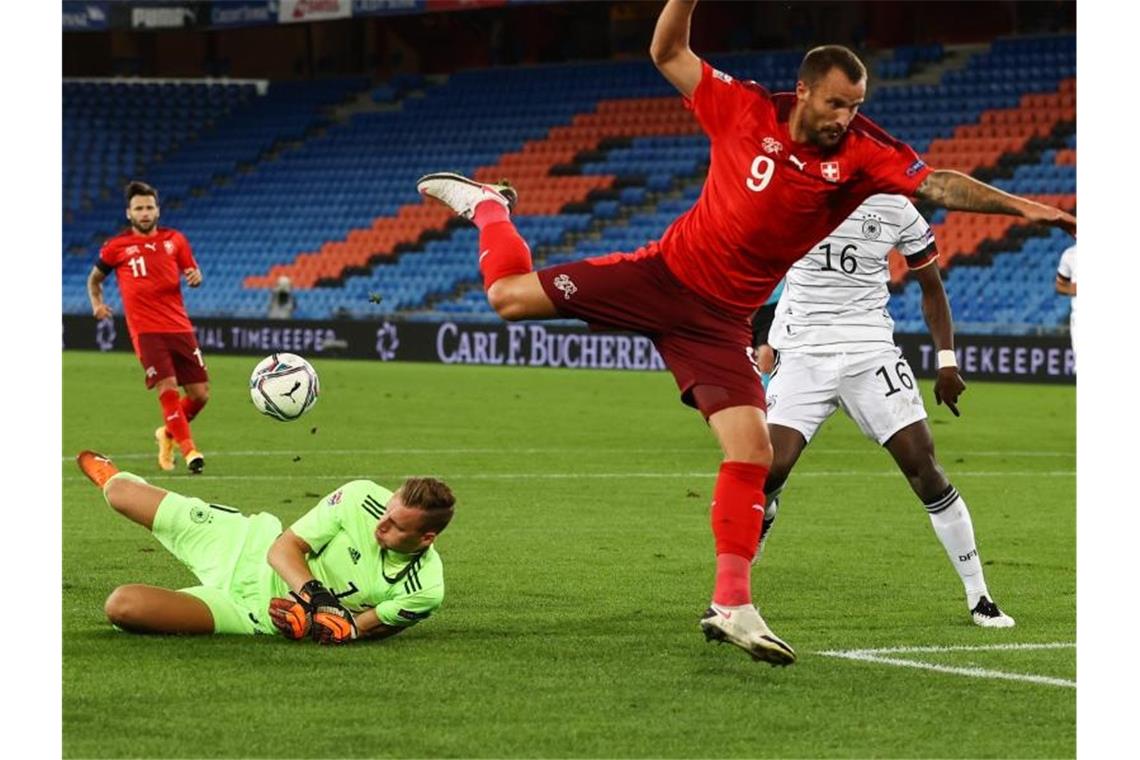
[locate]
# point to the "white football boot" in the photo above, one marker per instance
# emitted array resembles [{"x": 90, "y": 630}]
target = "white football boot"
[
  {"x": 462, "y": 195},
  {"x": 744, "y": 627},
  {"x": 987, "y": 615}
]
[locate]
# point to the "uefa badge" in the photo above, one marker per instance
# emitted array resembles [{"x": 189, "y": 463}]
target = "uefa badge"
[
  {"x": 387, "y": 341},
  {"x": 105, "y": 334},
  {"x": 829, "y": 170}
]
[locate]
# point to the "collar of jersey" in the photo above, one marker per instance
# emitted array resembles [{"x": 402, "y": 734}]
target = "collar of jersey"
[{"x": 409, "y": 560}]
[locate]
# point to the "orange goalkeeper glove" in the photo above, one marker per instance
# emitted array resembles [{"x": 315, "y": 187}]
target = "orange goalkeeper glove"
[
  {"x": 318, "y": 612},
  {"x": 291, "y": 617},
  {"x": 333, "y": 625}
]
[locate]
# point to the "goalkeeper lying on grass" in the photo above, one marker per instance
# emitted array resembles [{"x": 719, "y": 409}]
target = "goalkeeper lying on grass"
[{"x": 360, "y": 564}]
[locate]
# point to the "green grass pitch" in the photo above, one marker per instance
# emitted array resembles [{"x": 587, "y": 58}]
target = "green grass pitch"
[{"x": 577, "y": 566}]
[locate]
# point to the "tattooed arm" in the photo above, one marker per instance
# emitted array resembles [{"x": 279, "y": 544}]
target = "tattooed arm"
[{"x": 959, "y": 192}]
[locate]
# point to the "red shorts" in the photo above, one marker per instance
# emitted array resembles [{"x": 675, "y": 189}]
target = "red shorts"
[
  {"x": 701, "y": 344},
  {"x": 170, "y": 355}
]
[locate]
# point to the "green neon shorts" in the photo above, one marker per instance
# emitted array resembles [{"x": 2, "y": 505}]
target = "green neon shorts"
[{"x": 226, "y": 551}]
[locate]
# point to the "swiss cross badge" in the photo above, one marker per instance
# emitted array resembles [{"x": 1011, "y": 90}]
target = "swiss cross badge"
[
  {"x": 829, "y": 170},
  {"x": 168, "y": 245}
]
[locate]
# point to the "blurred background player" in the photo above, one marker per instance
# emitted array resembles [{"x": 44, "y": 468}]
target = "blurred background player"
[
  {"x": 148, "y": 261},
  {"x": 835, "y": 344},
  {"x": 761, "y": 323},
  {"x": 282, "y": 302},
  {"x": 360, "y": 564},
  {"x": 1066, "y": 285},
  {"x": 695, "y": 290}
]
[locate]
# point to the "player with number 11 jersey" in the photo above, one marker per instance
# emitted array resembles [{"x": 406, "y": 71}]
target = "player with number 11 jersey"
[{"x": 148, "y": 262}]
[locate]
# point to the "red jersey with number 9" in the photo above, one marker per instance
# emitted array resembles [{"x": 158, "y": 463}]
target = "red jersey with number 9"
[
  {"x": 148, "y": 270},
  {"x": 768, "y": 200}
]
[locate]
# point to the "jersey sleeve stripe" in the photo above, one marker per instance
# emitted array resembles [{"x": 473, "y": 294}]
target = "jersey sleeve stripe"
[
  {"x": 913, "y": 222},
  {"x": 103, "y": 266},
  {"x": 923, "y": 258}
]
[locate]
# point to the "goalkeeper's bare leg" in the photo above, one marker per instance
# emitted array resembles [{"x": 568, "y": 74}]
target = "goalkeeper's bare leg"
[
  {"x": 134, "y": 499},
  {"x": 137, "y": 607},
  {"x": 140, "y": 608}
]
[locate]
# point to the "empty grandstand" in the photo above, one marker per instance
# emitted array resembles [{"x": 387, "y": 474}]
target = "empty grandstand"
[{"x": 315, "y": 179}]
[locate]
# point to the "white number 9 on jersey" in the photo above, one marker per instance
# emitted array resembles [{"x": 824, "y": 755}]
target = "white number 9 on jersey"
[{"x": 762, "y": 169}]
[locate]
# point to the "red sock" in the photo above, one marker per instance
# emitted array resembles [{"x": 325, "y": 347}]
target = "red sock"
[
  {"x": 489, "y": 212},
  {"x": 502, "y": 251},
  {"x": 737, "y": 516},
  {"x": 176, "y": 424},
  {"x": 191, "y": 407}
]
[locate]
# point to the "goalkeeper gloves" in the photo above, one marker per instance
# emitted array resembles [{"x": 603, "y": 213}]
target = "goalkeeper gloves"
[{"x": 322, "y": 616}]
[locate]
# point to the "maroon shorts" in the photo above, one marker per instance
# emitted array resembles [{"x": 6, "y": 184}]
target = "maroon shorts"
[
  {"x": 701, "y": 344},
  {"x": 170, "y": 355}
]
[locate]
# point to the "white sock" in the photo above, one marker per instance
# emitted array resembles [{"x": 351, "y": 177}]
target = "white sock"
[
  {"x": 121, "y": 475},
  {"x": 951, "y": 520}
]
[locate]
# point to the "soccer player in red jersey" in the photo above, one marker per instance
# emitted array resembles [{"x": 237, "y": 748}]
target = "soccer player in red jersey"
[
  {"x": 148, "y": 261},
  {"x": 785, "y": 169}
]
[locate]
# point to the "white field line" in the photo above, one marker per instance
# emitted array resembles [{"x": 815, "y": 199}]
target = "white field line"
[
  {"x": 590, "y": 475},
  {"x": 879, "y": 656},
  {"x": 711, "y": 449}
]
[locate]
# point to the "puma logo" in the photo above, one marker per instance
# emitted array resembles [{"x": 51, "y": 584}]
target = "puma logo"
[{"x": 292, "y": 390}]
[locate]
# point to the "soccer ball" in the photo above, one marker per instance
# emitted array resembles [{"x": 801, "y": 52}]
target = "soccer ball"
[{"x": 284, "y": 386}]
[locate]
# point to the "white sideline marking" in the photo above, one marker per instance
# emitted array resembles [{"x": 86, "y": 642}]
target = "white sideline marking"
[
  {"x": 588, "y": 475},
  {"x": 877, "y": 656},
  {"x": 711, "y": 449}
]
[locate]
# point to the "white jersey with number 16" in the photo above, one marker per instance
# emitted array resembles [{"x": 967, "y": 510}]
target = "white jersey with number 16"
[{"x": 835, "y": 299}]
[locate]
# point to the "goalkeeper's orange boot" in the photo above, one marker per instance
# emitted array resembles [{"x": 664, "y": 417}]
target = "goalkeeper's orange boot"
[
  {"x": 165, "y": 449},
  {"x": 98, "y": 468}
]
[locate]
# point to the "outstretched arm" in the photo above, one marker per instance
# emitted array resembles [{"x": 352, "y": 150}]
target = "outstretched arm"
[
  {"x": 936, "y": 311},
  {"x": 959, "y": 192},
  {"x": 670, "y": 47}
]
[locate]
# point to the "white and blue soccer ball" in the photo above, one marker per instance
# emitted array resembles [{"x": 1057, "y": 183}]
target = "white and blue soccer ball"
[{"x": 284, "y": 386}]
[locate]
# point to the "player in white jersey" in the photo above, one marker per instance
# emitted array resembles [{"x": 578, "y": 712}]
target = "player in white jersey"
[
  {"x": 835, "y": 349},
  {"x": 1067, "y": 286}
]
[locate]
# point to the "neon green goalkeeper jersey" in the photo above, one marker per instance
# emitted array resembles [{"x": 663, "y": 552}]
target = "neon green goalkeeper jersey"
[{"x": 402, "y": 588}]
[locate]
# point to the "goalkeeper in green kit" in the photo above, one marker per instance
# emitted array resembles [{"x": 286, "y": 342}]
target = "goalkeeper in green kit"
[{"x": 360, "y": 564}]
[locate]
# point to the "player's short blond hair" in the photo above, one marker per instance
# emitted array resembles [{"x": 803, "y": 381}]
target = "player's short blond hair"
[{"x": 432, "y": 496}]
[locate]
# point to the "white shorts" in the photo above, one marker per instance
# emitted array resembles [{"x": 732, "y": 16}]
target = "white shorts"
[{"x": 877, "y": 390}]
